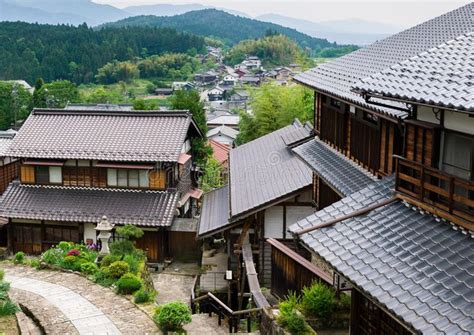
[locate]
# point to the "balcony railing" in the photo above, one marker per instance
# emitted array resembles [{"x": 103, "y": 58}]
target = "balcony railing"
[{"x": 436, "y": 191}]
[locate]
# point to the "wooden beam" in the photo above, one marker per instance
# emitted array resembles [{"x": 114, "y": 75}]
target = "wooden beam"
[{"x": 359, "y": 212}]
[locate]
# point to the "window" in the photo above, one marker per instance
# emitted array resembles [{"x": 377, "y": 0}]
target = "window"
[
  {"x": 42, "y": 175},
  {"x": 335, "y": 103},
  {"x": 48, "y": 175},
  {"x": 55, "y": 175},
  {"x": 127, "y": 178}
]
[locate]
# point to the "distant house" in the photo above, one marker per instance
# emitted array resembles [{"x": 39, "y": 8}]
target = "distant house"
[
  {"x": 9, "y": 166},
  {"x": 21, "y": 83},
  {"x": 283, "y": 73},
  {"x": 164, "y": 91},
  {"x": 216, "y": 94},
  {"x": 229, "y": 80},
  {"x": 251, "y": 80},
  {"x": 241, "y": 72},
  {"x": 252, "y": 63},
  {"x": 231, "y": 121},
  {"x": 239, "y": 99},
  {"x": 223, "y": 134},
  {"x": 182, "y": 85},
  {"x": 220, "y": 152},
  {"x": 206, "y": 78}
]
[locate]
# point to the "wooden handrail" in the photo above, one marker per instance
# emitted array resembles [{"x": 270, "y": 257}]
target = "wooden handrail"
[{"x": 430, "y": 187}]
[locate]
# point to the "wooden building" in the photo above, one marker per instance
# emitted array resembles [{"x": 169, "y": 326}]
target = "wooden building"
[
  {"x": 393, "y": 179},
  {"x": 79, "y": 165},
  {"x": 269, "y": 189}
]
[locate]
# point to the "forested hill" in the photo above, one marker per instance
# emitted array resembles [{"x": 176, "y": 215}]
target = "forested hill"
[
  {"x": 224, "y": 26},
  {"x": 29, "y": 51}
]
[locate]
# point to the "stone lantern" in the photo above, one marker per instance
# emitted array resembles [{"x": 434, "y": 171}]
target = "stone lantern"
[{"x": 104, "y": 227}]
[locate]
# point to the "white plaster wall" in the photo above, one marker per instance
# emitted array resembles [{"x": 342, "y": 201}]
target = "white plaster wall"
[
  {"x": 426, "y": 114},
  {"x": 297, "y": 213},
  {"x": 459, "y": 121},
  {"x": 274, "y": 222},
  {"x": 89, "y": 232}
]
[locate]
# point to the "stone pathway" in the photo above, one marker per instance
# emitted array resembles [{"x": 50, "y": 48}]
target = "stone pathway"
[{"x": 67, "y": 303}]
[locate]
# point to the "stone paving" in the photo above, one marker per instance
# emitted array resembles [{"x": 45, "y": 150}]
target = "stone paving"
[{"x": 90, "y": 308}]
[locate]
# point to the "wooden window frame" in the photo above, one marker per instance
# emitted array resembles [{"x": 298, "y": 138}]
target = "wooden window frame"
[{"x": 140, "y": 187}]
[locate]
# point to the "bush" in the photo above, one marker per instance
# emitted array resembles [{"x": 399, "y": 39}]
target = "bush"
[
  {"x": 130, "y": 231},
  {"x": 344, "y": 303},
  {"x": 109, "y": 259},
  {"x": 53, "y": 256},
  {"x": 19, "y": 258},
  {"x": 172, "y": 316},
  {"x": 293, "y": 321},
  {"x": 4, "y": 286},
  {"x": 89, "y": 268},
  {"x": 118, "y": 269},
  {"x": 73, "y": 252},
  {"x": 64, "y": 246},
  {"x": 35, "y": 263},
  {"x": 103, "y": 278},
  {"x": 73, "y": 263},
  {"x": 128, "y": 284},
  {"x": 8, "y": 308},
  {"x": 143, "y": 296},
  {"x": 318, "y": 300},
  {"x": 2, "y": 274},
  {"x": 132, "y": 262},
  {"x": 122, "y": 248}
]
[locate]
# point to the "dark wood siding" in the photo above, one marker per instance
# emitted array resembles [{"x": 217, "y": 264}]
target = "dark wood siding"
[
  {"x": 391, "y": 143},
  {"x": 333, "y": 128},
  {"x": 421, "y": 142},
  {"x": 325, "y": 195},
  {"x": 154, "y": 244},
  {"x": 8, "y": 173},
  {"x": 368, "y": 319},
  {"x": 184, "y": 246}
]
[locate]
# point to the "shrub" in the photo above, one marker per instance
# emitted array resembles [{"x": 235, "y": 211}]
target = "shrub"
[
  {"x": 130, "y": 231},
  {"x": 4, "y": 286},
  {"x": 65, "y": 246},
  {"x": 19, "y": 258},
  {"x": 122, "y": 248},
  {"x": 103, "y": 278},
  {"x": 293, "y": 321},
  {"x": 344, "y": 303},
  {"x": 118, "y": 269},
  {"x": 89, "y": 268},
  {"x": 143, "y": 295},
  {"x": 172, "y": 316},
  {"x": 53, "y": 256},
  {"x": 2, "y": 274},
  {"x": 74, "y": 252},
  {"x": 89, "y": 255},
  {"x": 132, "y": 262},
  {"x": 35, "y": 263},
  {"x": 8, "y": 308},
  {"x": 128, "y": 284},
  {"x": 109, "y": 259},
  {"x": 318, "y": 300},
  {"x": 73, "y": 263}
]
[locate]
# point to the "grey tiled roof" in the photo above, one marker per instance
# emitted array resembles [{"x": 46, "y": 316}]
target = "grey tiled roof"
[
  {"x": 442, "y": 76},
  {"x": 300, "y": 134},
  {"x": 215, "y": 211},
  {"x": 102, "y": 135},
  {"x": 265, "y": 170},
  {"x": 334, "y": 168},
  {"x": 143, "y": 208},
  {"x": 6, "y": 140},
  {"x": 417, "y": 267},
  {"x": 338, "y": 76}
]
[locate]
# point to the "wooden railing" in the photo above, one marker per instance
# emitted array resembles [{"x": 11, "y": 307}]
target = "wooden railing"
[
  {"x": 209, "y": 303},
  {"x": 436, "y": 191}
]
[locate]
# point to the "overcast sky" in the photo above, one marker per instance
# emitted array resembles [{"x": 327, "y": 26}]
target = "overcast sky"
[{"x": 402, "y": 13}]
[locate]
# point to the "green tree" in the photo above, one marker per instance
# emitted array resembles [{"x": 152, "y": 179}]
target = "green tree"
[
  {"x": 58, "y": 93},
  {"x": 274, "y": 107},
  {"x": 142, "y": 105},
  {"x": 38, "y": 100},
  {"x": 212, "y": 177},
  {"x": 191, "y": 101},
  {"x": 15, "y": 104}
]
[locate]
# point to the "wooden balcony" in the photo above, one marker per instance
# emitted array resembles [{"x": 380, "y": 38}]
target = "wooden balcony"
[{"x": 435, "y": 191}]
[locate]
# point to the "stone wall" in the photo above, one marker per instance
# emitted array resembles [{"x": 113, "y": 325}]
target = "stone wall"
[{"x": 268, "y": 324}]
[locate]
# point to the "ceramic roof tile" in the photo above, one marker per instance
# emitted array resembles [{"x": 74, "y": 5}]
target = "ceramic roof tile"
[
  {"x": 102, "y": 135},
  {"x": 406, "y": 260},
  {"x": 338, "y": 76},
  {"x": 265, "y": 170},
  {"x": 334, "y": 168},
  {"x": 442, "y": 76},
  {"x": 142, "y": 208}
]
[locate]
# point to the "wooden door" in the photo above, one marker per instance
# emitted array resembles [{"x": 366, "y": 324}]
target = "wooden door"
[
  {"x": 152, "y": 242},
  {"x": 27, "y": 239}
]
